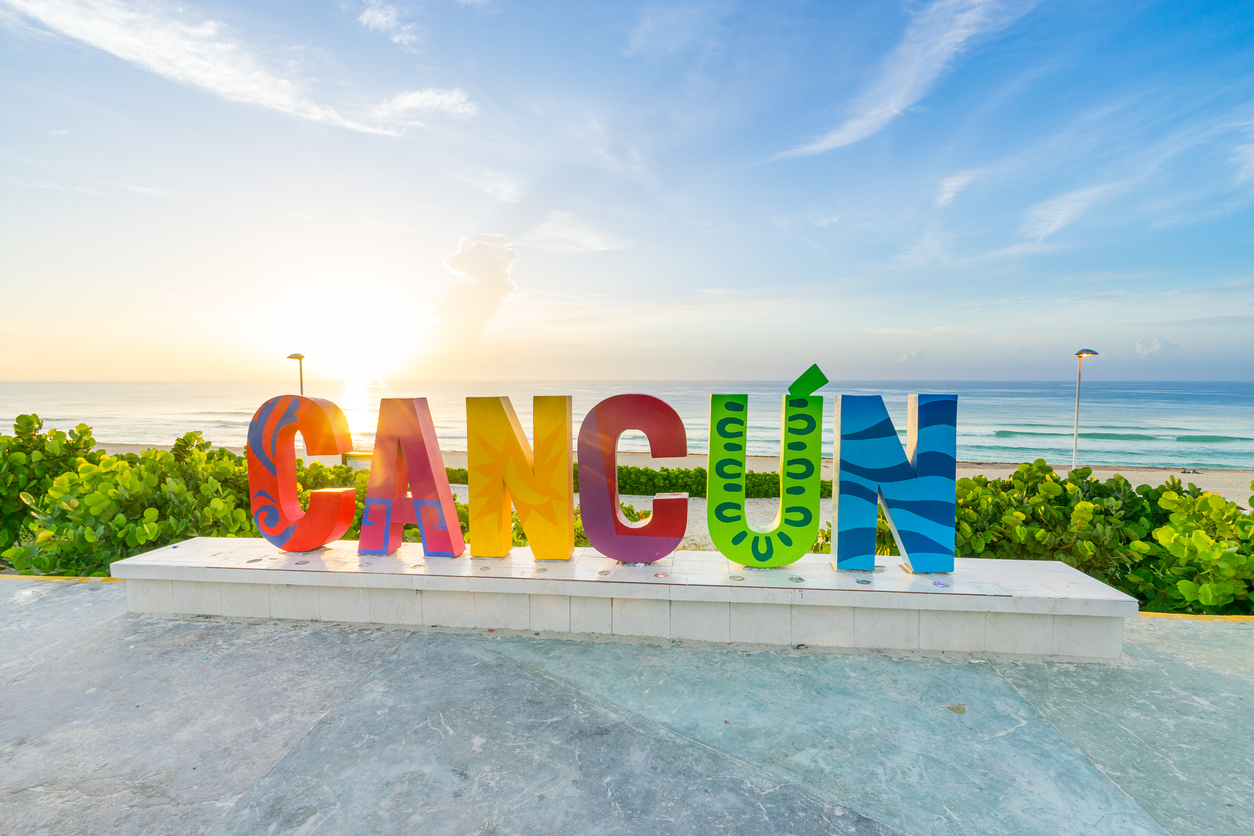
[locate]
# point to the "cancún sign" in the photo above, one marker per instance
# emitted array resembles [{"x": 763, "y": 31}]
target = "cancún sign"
[{"x": 408, "y": 484}]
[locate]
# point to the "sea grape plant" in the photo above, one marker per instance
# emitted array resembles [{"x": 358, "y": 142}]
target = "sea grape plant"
[{"x": 68, "y": 509}]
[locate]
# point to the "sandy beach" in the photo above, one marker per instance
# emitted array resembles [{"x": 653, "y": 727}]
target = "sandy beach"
[{"x": 1231, "y": 484}]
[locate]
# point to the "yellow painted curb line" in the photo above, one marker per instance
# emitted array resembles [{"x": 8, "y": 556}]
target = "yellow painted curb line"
[
  {"x": 1240, "y": 619},
  {"x": 62, "y": 579}
]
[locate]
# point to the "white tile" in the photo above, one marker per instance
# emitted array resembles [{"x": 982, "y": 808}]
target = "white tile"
[
  {"x": 150, "y": 596},
  {"x": 784, "y": 597},
  {"x": 437, "y": 583},
  {"x": 341, "y": 603},
  {"x": 448, "y": 609},
  {"x": 701, "y": 592},
  {"x": 951, "y": 630},
  {"x": 183, "y": 572},
  {"x": 822, "y": 626},
  {"x": 245, "y": 600},
  {"x": 1090, "y": 606},
  {"x": 591, "y": 615},
  {"x": 197, "y": 598},
  {"x": 708, "y": 621},
  {"x": 294, "y": 601},
  {"x": 1019, "y": 633},
  {"x": 503, "y": 610},
  {"x": 395, "y": 606},
  {"x": 656, "y": 591},
  {"x": 761, "y": 623},
  {"x": 487, "y": 583},
  {"x": 550, "y": 613},
  {"x": 886, "y": 629},
  {"x": 641, "y": 617},
  {"x": 1087, "y": 637}
]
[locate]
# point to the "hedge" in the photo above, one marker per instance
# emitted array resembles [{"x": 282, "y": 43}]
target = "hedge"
[{"x": 68, "y": 509}]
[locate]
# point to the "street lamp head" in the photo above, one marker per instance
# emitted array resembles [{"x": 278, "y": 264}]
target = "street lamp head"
[
  {"x": 297, "y": 356},
  {"x": 1086, "y": 352}
]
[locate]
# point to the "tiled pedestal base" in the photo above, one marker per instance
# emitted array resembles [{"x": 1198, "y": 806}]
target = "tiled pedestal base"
[{"x": 1023, "y": 608}]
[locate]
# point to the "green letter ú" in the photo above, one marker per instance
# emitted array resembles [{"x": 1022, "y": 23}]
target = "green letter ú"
[{"x": 797, "y": 522}]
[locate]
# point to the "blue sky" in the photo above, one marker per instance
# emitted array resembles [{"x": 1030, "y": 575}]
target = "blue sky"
[{"x": 945, "y": 190}]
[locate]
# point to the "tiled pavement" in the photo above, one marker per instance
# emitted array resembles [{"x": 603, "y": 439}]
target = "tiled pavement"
[{"x": 118, "y": 723}]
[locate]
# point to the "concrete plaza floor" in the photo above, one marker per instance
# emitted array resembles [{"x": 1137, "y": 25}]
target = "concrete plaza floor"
[{"x": 119, "y": 723}]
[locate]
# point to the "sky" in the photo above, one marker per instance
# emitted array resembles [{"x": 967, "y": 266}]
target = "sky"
[{"x": 947, "y": 190}]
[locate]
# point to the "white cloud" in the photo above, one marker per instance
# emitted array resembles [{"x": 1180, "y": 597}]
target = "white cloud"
[
  {"x": 383, "y": 17},
  {"x": 165, "y": 41},
  {"x": 924, "y": 332},
  {"x": 1044, "y": 219},
  {"x": 483, "y": 263},
  {"x": 671, "y": 29},
  {"x": 1243, "y": 156},
  {"x": 495, "y": 185},
  {"x": 1144, "y": 348},
  {"x": 951, "y": 186},
  {"x": 432, "y": 100},
  {"x": 563, "y": 232},
  {"x": 44, "y": 184},
  {"x": 932, "y": 40},
  {"x": 912, "y": 356}
]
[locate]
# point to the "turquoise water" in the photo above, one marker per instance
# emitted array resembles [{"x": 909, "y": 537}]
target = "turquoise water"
[{"x": 1204, "y": 425}]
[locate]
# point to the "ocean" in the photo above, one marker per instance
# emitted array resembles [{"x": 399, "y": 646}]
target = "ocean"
[{"x": 1202, "y": 425}]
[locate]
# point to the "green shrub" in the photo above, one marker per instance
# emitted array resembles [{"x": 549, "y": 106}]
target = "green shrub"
[
  {"x": 29, "y": 461},
  {"x": 1200, "y": 561},
  {"x": 1035, "y": 515},
  {"x": 116, "y": 506},
  {"x": 66, "y": 509}
]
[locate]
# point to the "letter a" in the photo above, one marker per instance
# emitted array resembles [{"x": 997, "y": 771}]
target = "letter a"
[
  {"x": 503, "y": 471},
  {"x": 406, "y": 451}
]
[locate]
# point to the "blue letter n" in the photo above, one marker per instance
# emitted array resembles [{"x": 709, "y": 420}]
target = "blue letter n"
[{"x": 916, "y": 485}]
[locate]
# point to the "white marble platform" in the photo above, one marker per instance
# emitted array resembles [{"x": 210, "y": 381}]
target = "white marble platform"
[{"x": 1016, "y": 607}]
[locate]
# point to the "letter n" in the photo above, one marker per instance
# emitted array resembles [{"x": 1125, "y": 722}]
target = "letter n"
[
  {"x": 407, "y": 453},
  {"x": 503, "y": 471},
  {"x": 915, "y": 485}
]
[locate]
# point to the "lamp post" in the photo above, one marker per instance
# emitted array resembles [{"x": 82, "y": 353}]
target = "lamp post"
[
  {"x": 300, "y": 358},
  {"x": 1075, "y": 435}
]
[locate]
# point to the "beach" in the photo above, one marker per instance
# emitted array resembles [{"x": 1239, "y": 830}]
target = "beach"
[{"x": 1233, "y": 485}]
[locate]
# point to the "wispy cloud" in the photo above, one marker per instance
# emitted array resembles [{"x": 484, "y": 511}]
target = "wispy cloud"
[
  {"x": 1243, "y": 156},
  {"x": 951, "y": 186},
  {"x": 45, "y": 184},
  {"x": 1044, "y": 219},
  {"x": 59, "y": 132},
  {"x": 1110, "y": 276},
  {"x": 933, "y": 39},
  {"x": 563, "y": 232},
  {"x": 671, "y": 29},
  {"x": 165, "y": 41},
  {"x": 494, "y": 185},
  {"x": 386, "y": 18},
  {"x": 442, "y": 102},
  {"x": 924, "y": 332}
]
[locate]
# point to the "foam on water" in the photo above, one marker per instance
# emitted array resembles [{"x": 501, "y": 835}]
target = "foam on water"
[{"x": 1152, "y": 424}]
